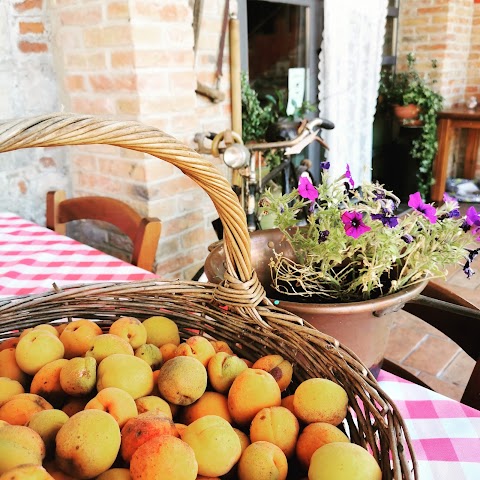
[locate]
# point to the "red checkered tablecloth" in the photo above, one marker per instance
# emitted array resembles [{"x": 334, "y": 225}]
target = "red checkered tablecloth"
[
  {"x": 32, "y": 258},
  {"x": 445, "y": 433}
]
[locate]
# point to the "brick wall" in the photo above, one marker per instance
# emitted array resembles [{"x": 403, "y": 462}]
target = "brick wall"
[
  {"x": 29, "y": 87},
  {"x": 447, "y": 30},
  {"x": 130, "y": 59}
]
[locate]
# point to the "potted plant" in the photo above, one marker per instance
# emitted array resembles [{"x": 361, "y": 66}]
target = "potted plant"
[
  {"x": 355, "y": 261},
  {"x": 415, "y": 103}
]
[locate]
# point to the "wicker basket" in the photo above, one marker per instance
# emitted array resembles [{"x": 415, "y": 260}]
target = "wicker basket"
[{"x": 237, "y": 311}]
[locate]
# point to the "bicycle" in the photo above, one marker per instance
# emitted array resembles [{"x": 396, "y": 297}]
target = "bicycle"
[{"x": 245, "y": 160}]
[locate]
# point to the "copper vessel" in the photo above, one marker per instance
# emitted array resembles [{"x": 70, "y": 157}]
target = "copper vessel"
[{"x": 363, "y": 326}]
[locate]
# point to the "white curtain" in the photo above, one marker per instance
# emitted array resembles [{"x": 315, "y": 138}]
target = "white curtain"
[{"x": 349, "y": 72}]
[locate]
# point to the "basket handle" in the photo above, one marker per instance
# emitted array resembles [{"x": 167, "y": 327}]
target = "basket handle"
[{"x": 240, "y": 287}]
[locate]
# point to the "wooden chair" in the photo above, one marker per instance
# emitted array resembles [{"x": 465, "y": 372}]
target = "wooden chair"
[
  {"x": 457, "y": 318},
  {"x": 144, "y": 232}
]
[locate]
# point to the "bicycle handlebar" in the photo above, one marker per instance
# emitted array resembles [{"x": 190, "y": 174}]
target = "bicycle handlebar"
[{"x": 310, "y": 130}]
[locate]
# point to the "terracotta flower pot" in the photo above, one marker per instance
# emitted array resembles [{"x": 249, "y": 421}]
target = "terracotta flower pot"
[
  {"x": 364, "y": 326},
  {"x": 407, "y": 115}
]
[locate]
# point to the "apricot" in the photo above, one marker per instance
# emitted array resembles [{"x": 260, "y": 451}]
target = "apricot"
[
  {"x": 9, "y": 367},
  {"x": 262, "y": 461},
  {"x": 127, "y": 372},
  {"x": 244, "y": 438},
  {"x": 115, "y": 474},
  {"x": 116, "y": 402},
  {"x": 46, "y": 383},
  {"x": 182, "y": 380},
  {"x": 9, "y": 388},
  {"x": 27, "y": 472},
  {"x": 48, "y": 327},
  {"x": 19, "y": 445},
  {"x": 222, "y": 370},
  {"x": 216, "y": 445},
  {"x": 198, "y": 347},
  {"x": 287, "y": 402},
  {"x": 161, "y": 330},
  {"x": 314, "y": 436},
  {"x": 74, "y": 405},
  {"x": 251, "y": 391},
  {"x": 320, "y": 400},
  {"x": 343, "y": 461},
  {"x": 276, "y": 425},
  {"x": 9, "y": 343},
  {"x": 168, "y": 351},
  {"x": 221, "y": 346},
  {"x": 130, "y": 329},
  {"x": 87, "y": 444},
  {"x": 47, "y": 423},
  {"x": 210, "y": 403},
  {"x": 164, "y": 458},
  {"x": 77, "y": 337},
  {"x": 78, "y": 376},
  {"x": 151, "y": 354},
  {"x": 280, "y": 369},
  {"x": 108, "y": 344},
  {"x": 20, "y": 408},
  {"x": 152, "y": 403},
  {"x": 142, "y": 428}
]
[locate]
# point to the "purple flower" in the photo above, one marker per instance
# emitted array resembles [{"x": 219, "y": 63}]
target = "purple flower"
[
  {"x": 388, "y": 220},
  {"x": 415, "y": 201},
  {"x": 306, "y": 189},
  {"x": 353, "y": 224},
  {"x": 348, "y": 175},
  {"x": 472, "y": 217},
  {"x": 454, "y": 212},
  {"x": 325, "y": 165},
  {"x": 323, "y": 235},
  {"x": 407, "y": 238}
]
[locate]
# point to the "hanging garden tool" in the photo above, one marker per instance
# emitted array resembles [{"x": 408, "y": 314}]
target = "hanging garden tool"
[{"x": 213, "y": 93}]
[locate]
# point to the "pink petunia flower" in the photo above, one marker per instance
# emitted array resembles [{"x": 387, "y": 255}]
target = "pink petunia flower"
[
  {"x": 353, "y": 224},
  {"x": 306, "y": 189},
  {"x": 415, "y": 201}
]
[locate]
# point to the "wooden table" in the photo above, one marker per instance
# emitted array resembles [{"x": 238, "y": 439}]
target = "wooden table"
[{"x": 448, "y": 121}]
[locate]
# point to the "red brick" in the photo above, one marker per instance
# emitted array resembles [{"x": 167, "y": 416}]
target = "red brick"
[
  {"x": 81, "y": 16},
  {"x": 32, "y": 47},
  {"x": 28, "y": 5},
  {"x": 31, "y": 27},
  {"x": 118, "y": 10},
  {"x": 75, "y": 82},
  {"x": 117, "y": 83}
]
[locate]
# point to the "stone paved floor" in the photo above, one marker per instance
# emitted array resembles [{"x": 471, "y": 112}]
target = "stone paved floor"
[{"x": 429, "y": 354}]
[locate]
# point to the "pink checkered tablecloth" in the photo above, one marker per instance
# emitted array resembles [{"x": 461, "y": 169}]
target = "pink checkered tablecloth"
[
  {"x": 445, "y": 433},
  {"x": 32, "y": 258}
]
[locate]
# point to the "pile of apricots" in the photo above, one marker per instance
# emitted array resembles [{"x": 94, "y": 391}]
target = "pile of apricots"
[{"x": 135, "y": 402}]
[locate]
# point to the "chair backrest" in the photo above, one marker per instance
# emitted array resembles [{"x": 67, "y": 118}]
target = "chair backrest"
[
  {"x": 144, "y": 232},
  {"x": 456, "y": 317}
]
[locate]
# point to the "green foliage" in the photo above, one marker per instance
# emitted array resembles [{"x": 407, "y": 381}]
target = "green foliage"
[
  {"x": 255, "y": 117},
  {"x": 409, "y": 87},
  {"x": 332, "y": 266}
]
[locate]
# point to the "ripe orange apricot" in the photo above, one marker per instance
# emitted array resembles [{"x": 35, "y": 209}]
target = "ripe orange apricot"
[
  {"x": 280, "y": 369},
  {"x": 320, "y": 400},
  {"x": 20, "y": 408},
  {"x": 343, "y": 461},
  {"x": 46, "y": 383},
  {"x": 142, "y": 428},
  {"x": 251, "y": 391},
  {"x": 210, "y": 403},
  {"x": 198, "y": 347},
  {"x": 314, "y": 436},
  {"x": 262, "y": 461},
  {"x": 164, "y": 458},
  {"x": 216, "y": 445},
  {"x": 77, "y": 337},
  {"x": 276, "y": 425}
]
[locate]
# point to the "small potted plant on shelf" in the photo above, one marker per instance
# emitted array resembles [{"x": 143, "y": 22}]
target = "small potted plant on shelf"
[{"x": 415, "y": 103}]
